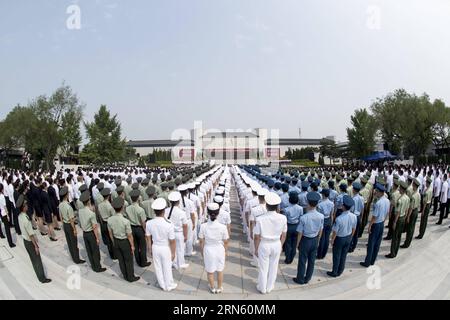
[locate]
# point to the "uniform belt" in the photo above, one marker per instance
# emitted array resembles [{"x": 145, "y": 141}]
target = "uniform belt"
[
  {"x": 310, "y": 238},
  {"x": 88, "y": 231},
  {"x": 133, "y": 226},
  {"x": 120, "y": 239},
  {"x": 293, "y": 224}
]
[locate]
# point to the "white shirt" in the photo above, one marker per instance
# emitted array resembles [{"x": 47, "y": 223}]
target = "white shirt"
[
  {"x": 224, "y": 217},
  {"x": 213, "y": 232},
  {"x": 161, "y": 231},
  {"x": 256, "y": 212},
  {"x": 3, "y": 204},
  {"x": 178, "y": 218},
  {"x": 437, "y": 186},
  {"x": 270, "y": 226}
]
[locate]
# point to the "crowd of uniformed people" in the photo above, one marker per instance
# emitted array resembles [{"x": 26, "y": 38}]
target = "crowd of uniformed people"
[{"x": 166, "y": 214}]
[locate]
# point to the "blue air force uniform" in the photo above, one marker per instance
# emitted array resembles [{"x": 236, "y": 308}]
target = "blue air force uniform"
[
  {"x": 357, "y": 210},
  {"x": 309, "y": 228},
  {"x": 326, "y": 208},
  {"x": 380, "y": 211},
  {"x": 293, "y": 213},
  {"x": 344, "y": 228}
]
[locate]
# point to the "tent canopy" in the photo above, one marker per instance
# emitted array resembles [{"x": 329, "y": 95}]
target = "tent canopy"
[{"x": 379, "y": 156}]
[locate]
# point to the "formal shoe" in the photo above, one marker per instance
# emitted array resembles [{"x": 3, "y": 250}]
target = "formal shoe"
[
  {"x": 58, "y": 229},
  {"x": 298, "y": 281},
  {"x": 432, "y": 215},
  {"x": 12, "y": 245},
  {"x": 387, "y": 238},
  {"x": 364, "y": 264},
  {"x": 418, "y": 237},
  {"x": 134, "y": 279},
  {"x": 81, "y": 261},
  {"x": 212, "y": 290},
  {"x": 2, "y": 237},
  {"x": 351, "y": 251},
  {"x": 389, "y": 256},
  {"x": 145, "y": 265},
  {"x": 438, "y": 223},
  {"x": 331, "y": 274},
  {"x": 34, "y": 228},
  {"x": 53, "y": 239},
  {"x": 100, "y": 270},
  {"x": 19, "y": 233},
  {"x": 46, "y": 281},
  {"x": 44, "y": 234},
  {"x": 172, "y": 287}
]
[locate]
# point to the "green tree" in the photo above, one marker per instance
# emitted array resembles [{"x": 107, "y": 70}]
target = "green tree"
[
  {"x": 361, "y": 137},
  {"x": 441, "y": 128},
  {"x": 105, "y": 146},
  {"x": 328, "y": 149}
]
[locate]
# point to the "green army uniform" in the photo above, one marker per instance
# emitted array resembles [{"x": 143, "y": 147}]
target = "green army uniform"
[
  {"x": 67, "y": 214},
  {"x": 394, "y": 198},
  {"x": 137, "y": 217},
  {"x": 87, "y": 222},
  {"x": 409, "y": 191},
  {"x": 106, "y": 211},
  {"x": 401, "y": 209},
  {"x": 98, "y": 199},
  {"x": 366, "y": 193},
  {"x": 147, "y": 206},
  {"x": 120, "y": 227},
  {"x": 127, "y": 191},
  {"x": 411, "y": 223},
  {"x": 26, "y": 228}
]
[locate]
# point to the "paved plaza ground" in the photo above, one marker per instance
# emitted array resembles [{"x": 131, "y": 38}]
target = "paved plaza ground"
[{"x": 420, "y": 272}]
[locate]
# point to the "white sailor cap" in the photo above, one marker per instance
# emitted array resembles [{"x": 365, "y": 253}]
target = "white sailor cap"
[
  {"x": 213, "y": 206},
  {"x": 218, "y": 199},
  {"x": 255, "y": 187},
  {"x": 272, "y": 199},
  {"x": 220, "y": 192},
  {"x": 262, "y": 192},
  {"x": 174, "y": 196},
  {"x": 191, "y": 186},
  {"x": 182, "y": 187},
  {"x": 159, "y": 204}
]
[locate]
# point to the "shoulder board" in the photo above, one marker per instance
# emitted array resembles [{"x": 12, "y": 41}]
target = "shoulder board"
[{"x": 168, "y": 221}]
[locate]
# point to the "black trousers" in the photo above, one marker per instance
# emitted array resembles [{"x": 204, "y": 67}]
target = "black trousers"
[
  {"x": 72, "y": 242},
  {"x": 397, "y": 236},
  {"x": 10, "y": 207},
  {"x": 442, "y": 209},
  {"x": 123, "y": 253},
  {"x": 307, "y": 258},
  {"x": 435, "y": 205},
  {"x": 364, "y": 219},
  {"x": 140, "y": 246},
  {"x": 391, "y": 224},
  {"x": 36, "y": 260},
  {"x": 92, "y": 250},
  {"x": 7, "y": 230},
  {"x": 355, "y": 238},
  {"x": 16, "y": 220},
  {"x": 107, "y": 240}
]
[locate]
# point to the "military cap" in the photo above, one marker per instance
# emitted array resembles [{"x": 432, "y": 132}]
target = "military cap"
[
  {"x": 135, "y": 193},
  {"x": 396, "y": 182},
  {"x": 83, "y": 188},
  {"x": 270, "y": 183},
  {"x": 63, "y": 191},
  {"x": 348, "y": 201},
  {"x": 396, "y": 176},
  {"x": 170, "y": 184},
  {"x": 262, "y": 192},
  {"x": 272, "y": 199},
  {"x": 416, "y": 182},
  {"x": 135, "y": 186},
  {"x": 357, "y": 186},
  {"x": 313, "y": 198},
  {"x": 85, "y": 196},
  {"x": 343, "y": 186},
  {"x": 150, "y": 190},
  {"x": 129, "y": 180},
  {"x": 218, "y": 199},
  {"x": 155, "y": 179},
  {"x": 118, "y": 182},
  {"x": 120, "y": 189},
  {"x": 338, "y": 177},
  {"x": 118, "y": 203},
  {"x": 213, "y": 208},
  {"x": 429, "y": 180},
  {"x": 364, "y": 180},
  {"x": 380, "y": 187},
  {"x": 182, "y": 187},
  {"x": 404, "y": 185},
  {"x": 159, "y": 204},
  {"x": 174, "y": 196},
  {"x": 327, "y": 174},
  {"x": 105, "y": 192},
  {"x": 145, "y": 182},
  {"x": 331, "y": 183},
  {"x": 139, "y": 179},
  {"x": 410, "y": 178},
  {"x": 100, "y": 186},
  {"x": 325, "y": 192}
]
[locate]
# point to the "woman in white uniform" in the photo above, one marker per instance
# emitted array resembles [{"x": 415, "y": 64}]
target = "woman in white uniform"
[
  {"x": 178, "y": 217},
  {"x": 160, "y": 234},
  {"x": 213, "y": 243}
]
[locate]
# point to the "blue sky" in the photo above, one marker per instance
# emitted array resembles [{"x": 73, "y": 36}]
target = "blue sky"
[{"x": 283, "y": 64}]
